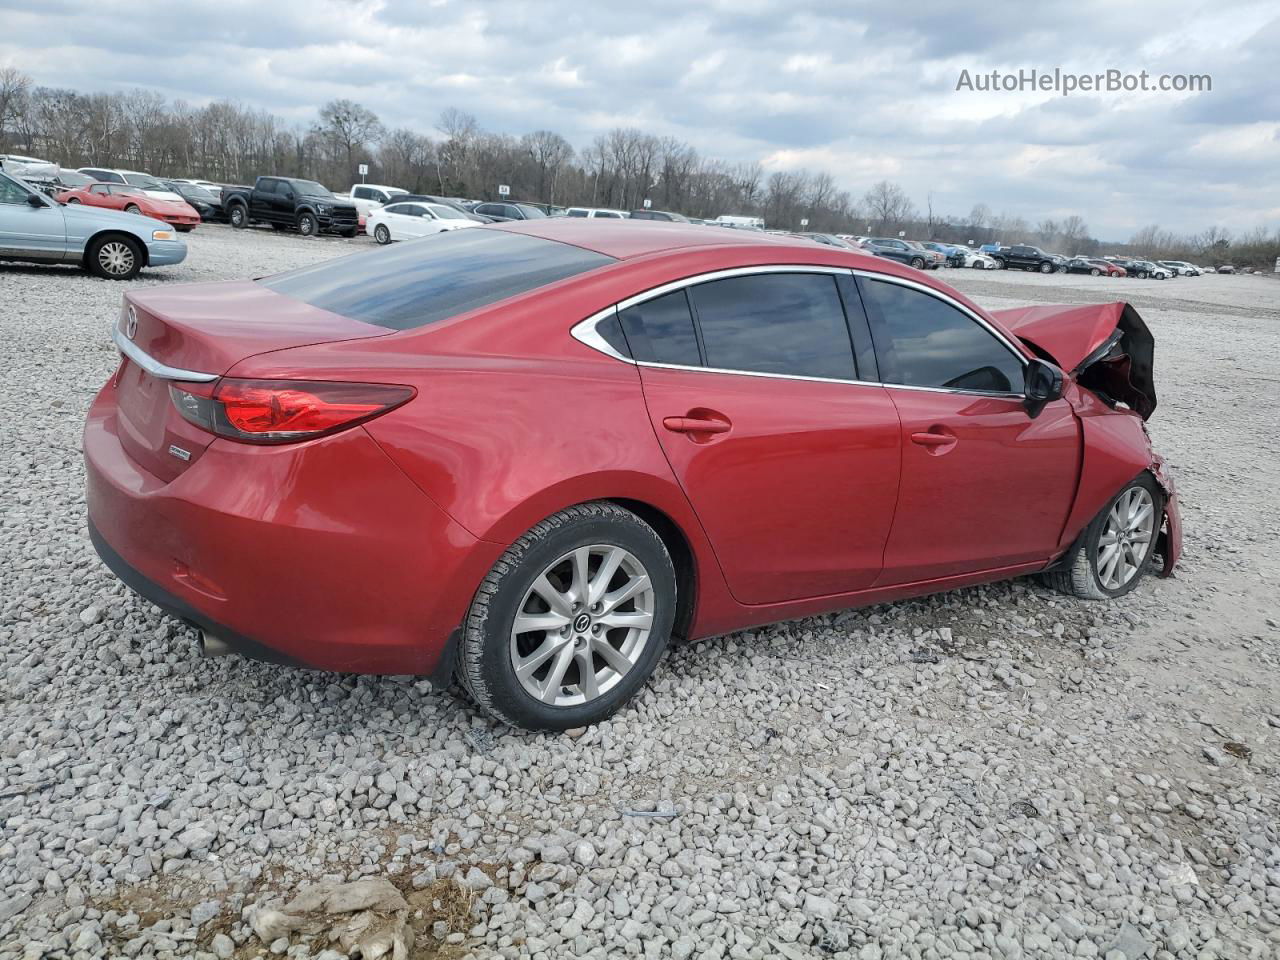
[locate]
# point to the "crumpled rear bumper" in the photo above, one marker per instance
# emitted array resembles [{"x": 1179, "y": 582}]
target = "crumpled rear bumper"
[{"x": 1169, "y": 543}]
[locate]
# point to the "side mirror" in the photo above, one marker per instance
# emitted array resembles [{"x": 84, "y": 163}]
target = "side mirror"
[
  {"x": 1043, "y": 386},
  {"x": 33, "y": 200}
]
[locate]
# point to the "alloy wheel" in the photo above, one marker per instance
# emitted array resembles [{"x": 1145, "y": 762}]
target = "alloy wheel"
[
  {"x": 115, "y": 257},
  {"x": 1126, "y": 538},
  {"x": 582, "y": 625}
]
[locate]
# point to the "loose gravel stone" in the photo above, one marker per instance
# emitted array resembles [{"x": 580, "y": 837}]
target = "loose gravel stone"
[{"x": 1000, "y": 771}]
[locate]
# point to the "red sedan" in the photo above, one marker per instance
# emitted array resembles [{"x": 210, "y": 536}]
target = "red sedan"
[
  {"x": 532, "y": 453},
  {"x": 121, "y": 196}
]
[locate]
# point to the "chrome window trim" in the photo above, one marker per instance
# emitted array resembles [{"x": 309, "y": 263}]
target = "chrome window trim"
[
  {"x": 153, "y": 366},
  {"x": 585, "y": 330}
]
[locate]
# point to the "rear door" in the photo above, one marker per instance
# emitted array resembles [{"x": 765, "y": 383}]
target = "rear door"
[
  {"x": 983, "y": 485},
  {"x": 790, "y": 463}
]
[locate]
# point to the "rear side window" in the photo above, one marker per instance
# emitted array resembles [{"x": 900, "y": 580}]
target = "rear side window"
[
  {"x": 661, "y": 330},
  {"x": 425, "y": 281},
  {"x": 787, "y": 323},
  {"x": 922, "y": 341}
]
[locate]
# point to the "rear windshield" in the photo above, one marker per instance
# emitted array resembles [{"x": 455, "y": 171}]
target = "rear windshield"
[{"x": 423, "y": 281}]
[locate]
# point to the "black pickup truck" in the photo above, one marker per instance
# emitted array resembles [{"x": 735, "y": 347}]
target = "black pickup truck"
[
  {"x": 1020, "y": 256},
  {"x": 287, "y": 203}
]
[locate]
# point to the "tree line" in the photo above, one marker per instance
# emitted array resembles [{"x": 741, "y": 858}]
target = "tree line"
[{"x": 229, "y": 143}]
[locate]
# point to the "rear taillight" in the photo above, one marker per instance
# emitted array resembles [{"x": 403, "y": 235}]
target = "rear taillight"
[{"x": 283, "y": 411}]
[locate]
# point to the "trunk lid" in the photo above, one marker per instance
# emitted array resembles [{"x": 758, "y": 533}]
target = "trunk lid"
[
  {"x": 203, "y": 329},
  {"x": 1105, "y": 347}
]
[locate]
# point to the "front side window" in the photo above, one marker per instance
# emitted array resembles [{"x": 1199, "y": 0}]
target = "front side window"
[
  {"x": 784, "y": 323},
  {"x": 922, "y": 341},
  {"x": 661, "y": 330},
  {"x": 11, "y": 192}
]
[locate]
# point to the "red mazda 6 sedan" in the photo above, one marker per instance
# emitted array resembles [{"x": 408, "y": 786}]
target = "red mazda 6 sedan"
[{"x": 532, "y": 453}]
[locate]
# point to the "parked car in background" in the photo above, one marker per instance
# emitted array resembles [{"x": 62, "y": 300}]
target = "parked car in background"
[
  {"x": 1022, "y": 256},
  {"x": 596, "y": 212},
  {"x": 410, "y": 220},
  {"x": 935, "y": 259},
  {"x": 826, "y": 239},
  {"x": 948, "y": 250},
  {"x": 1181, "y": 267},
  {"x": 28, "y": 168},
  {"x": 135, "y": 178},
  {"x": 1145, "y": 269},
  {"x": 107, "y": 243},
  {"x": 1083, "y": 265},
  {"x": 1226, "y": 268},
  {"x": 201, "y": 200},
  {"x": 726, "y": 433},
  {"x": 550, "y": 209},
  {"x": 509, "y": 210},
  {"x": 737, "y": 222},
  {"x": 214, "y": 188},
  {"x": 367, "y": 197},
  {"x": 465, "y": 207},
  {"x": 128, "y": 199},
  {"x": 963, "y": 256},
  {"x": 1107, "y": 266},
  {"x": 891, "y": 248},
  {"x": 289, "y": 203},
  {"x": 659, "y": 215}
]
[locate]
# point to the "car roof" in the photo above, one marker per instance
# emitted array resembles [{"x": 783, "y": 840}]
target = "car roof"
[{"x": 625, "y": 239}]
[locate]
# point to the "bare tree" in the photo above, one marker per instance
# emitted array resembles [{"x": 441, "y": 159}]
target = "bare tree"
[
  {"x": 15, "y": 86},
  {"x": 1074, "y": 232},
  {"x": 349, "y": 128},
  {"x": 888, "y": 205}
]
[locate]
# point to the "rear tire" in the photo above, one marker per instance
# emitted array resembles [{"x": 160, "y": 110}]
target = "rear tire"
[
  {"x": 382, "y": 234},
  {"x": 1088, "y": 570},
  {"x": 552, "y": 690}
]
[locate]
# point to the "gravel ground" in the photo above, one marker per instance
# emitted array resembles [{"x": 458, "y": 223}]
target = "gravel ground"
[{"x": 998, "y": 772}]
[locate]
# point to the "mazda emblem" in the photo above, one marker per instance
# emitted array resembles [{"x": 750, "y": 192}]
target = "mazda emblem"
[{"x": 131, "y": 324}]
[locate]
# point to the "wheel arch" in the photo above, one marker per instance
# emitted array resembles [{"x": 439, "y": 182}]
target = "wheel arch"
[
  {"x": 682, "y": 556},
  {"x": 93, "y": 238}
]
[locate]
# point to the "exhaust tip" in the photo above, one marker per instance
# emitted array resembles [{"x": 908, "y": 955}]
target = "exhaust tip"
[{"x": 211, "y": 646}]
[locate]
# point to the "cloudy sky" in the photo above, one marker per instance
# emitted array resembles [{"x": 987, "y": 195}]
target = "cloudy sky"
[{"x": 867, "y": 93}]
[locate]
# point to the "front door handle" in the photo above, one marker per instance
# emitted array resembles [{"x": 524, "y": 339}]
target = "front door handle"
[
  {"x": 936, "y": 440},
  {"x": 695, "y": 425}
]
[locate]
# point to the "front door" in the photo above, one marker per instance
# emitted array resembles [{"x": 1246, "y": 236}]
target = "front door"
[
  {"x": 983, "y": 484},
  {"x": 27, "y": 231},
  {"x": 791, "y": 467}
]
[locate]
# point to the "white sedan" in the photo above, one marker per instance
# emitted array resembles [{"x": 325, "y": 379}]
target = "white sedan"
[{"x": 410, "y": 220}]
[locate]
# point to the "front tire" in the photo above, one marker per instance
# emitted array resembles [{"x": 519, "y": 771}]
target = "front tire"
[
  {"x": 114, "y": 258},
  {"x": 1046, "y": 268},
  {"x": 382, "y": 234},
  {"x": 1112, "y": 554},
  {"x": 1095, "y": 272},
  {"x": 571, "y": 621},
  {"x": 238, "y": 216},
  {"x": 134, "y": 209},
  {"x": 308, "y": 226},
  {"x": 917, "y": 263}
]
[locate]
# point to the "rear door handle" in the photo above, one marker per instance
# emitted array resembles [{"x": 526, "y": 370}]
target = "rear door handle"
[{"x": 695, "y": 425}]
